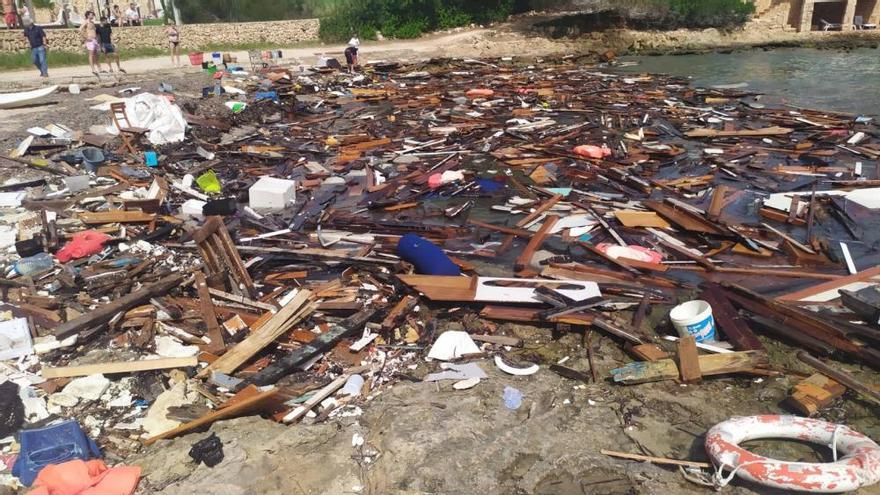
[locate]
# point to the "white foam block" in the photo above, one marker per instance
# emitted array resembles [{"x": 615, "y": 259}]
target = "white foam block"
[{"x": 271, "y": 194}]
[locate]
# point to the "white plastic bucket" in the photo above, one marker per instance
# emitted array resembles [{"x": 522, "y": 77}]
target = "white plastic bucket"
[{"x": 694, "y": 318}]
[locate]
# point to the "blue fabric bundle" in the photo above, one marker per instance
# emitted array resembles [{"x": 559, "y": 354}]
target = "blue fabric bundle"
[{"x": 425, "y": 256}]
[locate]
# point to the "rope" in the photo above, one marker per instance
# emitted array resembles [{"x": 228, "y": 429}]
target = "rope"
[
  {"x": 720, "y": 481},
  {"x": 834, "y": 441}
]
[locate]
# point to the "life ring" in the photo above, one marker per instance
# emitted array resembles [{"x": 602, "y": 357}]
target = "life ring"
[{"x": 858, "y": 466}]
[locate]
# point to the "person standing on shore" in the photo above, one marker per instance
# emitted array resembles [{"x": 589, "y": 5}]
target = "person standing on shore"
[
  {"x": 105, "y": 33},
  {"x": 37, "y": 38},
  {"x": 89, "y": 33},
  {"x": 351, "y": 54},
  {"x": 174, "y": 42}
]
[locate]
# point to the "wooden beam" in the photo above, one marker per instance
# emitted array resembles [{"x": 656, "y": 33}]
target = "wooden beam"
[
  {"x": 241, "y": 408},
  {"x": 119, "y": 367},
  {"x": 731, "y": 324},
  {"x": 316, "y": 399},
  {"x": 103, "y": 314},
  {"x": 540, "y": 210},
  {"x": 522, "y": 262},
  {"x": 298, "y": 308},
  {"x": 116, "y": 216},
  {"x": 215, "y": 333},
  {"x": 281, "y": 368},
  {"x": 689, "y": 360},
  {"x": 710, "y": 364}
]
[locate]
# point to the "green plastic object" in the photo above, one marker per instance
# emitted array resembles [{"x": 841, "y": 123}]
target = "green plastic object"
[{"x": 209, "y": 182}]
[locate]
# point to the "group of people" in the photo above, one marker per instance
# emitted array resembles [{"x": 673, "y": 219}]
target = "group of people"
[
  {"x": 11, "y": 15},
  {"x": 131, "y": 17},
  {"x": 98, "y": 41}
]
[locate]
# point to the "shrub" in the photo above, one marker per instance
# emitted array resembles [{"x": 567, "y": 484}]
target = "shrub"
[{"x": 406, "y": 18}]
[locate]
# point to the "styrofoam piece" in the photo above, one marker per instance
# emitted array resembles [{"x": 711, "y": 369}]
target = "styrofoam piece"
[
  {"x": 15, "y": 339},
  {"x": 271, "y": 194},
  {"x": 192, "y": 208}
]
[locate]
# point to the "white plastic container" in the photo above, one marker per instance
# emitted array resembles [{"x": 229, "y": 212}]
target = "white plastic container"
[
  {"x": 694, "y": 318},
  {"x": 270, "y": 194}
]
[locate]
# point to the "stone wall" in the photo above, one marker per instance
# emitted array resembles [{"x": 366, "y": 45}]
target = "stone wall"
[{"x": 192, "y": 36}]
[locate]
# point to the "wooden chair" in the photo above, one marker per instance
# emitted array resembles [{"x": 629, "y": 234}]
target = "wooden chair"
[{"x": 131, "y": 136}]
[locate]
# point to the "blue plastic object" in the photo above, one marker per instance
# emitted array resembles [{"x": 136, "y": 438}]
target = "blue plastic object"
[
  {"x": 425, "y": 256},
  {"x": 151, "y": 158},
  {"x": 52, "y": 445},
  {"x": 489, "y": 185},
  {"x": 266, "y": 95},
  {"x": 92, "y": 158},
  {"x": 512, "y": 398}
]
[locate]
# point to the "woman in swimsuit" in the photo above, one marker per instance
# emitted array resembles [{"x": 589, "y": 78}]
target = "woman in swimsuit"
[{"x": 174, "y": 41}]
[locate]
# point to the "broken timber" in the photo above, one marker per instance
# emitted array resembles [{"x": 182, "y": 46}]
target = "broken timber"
[
  {"x": 298, "y": 308},
  {"x": 710, "y": 364}
]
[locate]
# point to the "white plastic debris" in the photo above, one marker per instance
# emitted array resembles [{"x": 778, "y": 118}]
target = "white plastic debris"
[{"x": 451, "y": 345}]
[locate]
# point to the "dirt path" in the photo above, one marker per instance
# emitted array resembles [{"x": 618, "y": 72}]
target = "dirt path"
[{"x": 434, "y": 45}]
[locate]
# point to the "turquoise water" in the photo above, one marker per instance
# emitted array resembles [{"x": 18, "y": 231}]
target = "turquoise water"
[{"x": 823, "y": 79}]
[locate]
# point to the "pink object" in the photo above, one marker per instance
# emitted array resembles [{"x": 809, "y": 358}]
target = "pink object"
[
  {"x": 435, "y": 181},
  {"x": 632, "y": 252},
  {"x": 480, "y": 93},
  {"x": 590, "y": 151},
  {"x": 83, "y": 244}
]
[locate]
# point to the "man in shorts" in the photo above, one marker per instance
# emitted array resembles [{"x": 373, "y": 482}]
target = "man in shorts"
[
  {"x": 89, "y": 34},
  {"x": 105, "y": 33}
]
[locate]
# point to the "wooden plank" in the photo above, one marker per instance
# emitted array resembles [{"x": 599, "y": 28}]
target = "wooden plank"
[
  {"x": 294, "y": 311},
  {"x": 217, "y": 346},
  {"x": 731, "y": 324},
  {"x": 630, "y": 218},
  {"x": 540, "y": 210},
  {"x": 442, "y": 288},
  {"x": 712, "y": 133},
  {"x": 648, "y": 352},
  {"x": 103, "y": 314},
  {"x": 247, "y": 406},
  {"x": 837, "y": 283},
  {"x": 116, "y": 216},
  {"x": 119, "y": 367},
  {"x": 316, "y": 399},
  {"x": 689, "y": 360},
  {"x": 522, "y": 262},
  {"x": 510, "y": 313},
  {"x": 399, "y": 310},
  {"x": 321, "y": 343},
  {"x": 683, "y": 218},
  {"x": 717, "y": 203},
  {"x": 710, "y": 364},
  {"x": 242, "y": 300},
  {"x": 813, "y": 394}
]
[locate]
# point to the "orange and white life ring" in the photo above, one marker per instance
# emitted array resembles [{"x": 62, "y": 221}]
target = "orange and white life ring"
[{"x": 858, "y": 465}]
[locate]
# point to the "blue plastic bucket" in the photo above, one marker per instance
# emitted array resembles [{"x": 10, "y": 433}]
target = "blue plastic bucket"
[{"x": 694, "y": 318}]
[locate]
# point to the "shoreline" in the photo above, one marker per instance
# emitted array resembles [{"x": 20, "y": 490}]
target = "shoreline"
[{"x": 503, "y": 40}]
